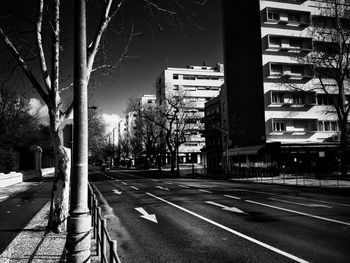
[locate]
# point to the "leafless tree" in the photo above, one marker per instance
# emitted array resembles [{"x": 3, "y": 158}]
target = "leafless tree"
[
  {"x": 330, "y": 63},
  {"x": 48, "y": 87},
  {"x": 176, "y": 117}
]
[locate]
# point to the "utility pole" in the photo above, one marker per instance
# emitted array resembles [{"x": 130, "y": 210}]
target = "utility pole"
[
  {"x": 113, "y": 157},
  {"x": 79, "y": 220}
]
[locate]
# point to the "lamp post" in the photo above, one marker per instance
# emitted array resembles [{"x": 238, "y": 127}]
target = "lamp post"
[
  {"x": 177, "y": 145},
  {"x": 113, "y": 147},
  {"x": 79, "y": 220}
]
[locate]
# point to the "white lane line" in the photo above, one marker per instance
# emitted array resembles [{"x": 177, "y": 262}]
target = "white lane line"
[
  {"x": 283, "y": 253},
  {"x": 205, "y": 191},
  {"x": 124, "y": 183},
  {"x": 117, "y": 180},
  {"x": 133, "y": 187},
  {"x": 300, "y": 213},
  {"x": 183, "y": 186},
  {"x": 168, "y": 183},
  {"x": 162, "y": 188},
  {"x": 297, "y": 203},
  {"x": 154, "y": 180},
  {"x": 296, "y": 197},
  {"x": 233, "y": 197}
]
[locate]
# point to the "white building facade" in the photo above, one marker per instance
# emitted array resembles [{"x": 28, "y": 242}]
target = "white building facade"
[
  {"x": 198, "y": 84},
  {"x": 291, "y": 116}
]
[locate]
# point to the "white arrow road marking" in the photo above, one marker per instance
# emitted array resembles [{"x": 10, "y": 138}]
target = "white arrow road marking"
[
  {"x": 300, "y": 213},
  {"x": 133, "y": 187},
  {"x": 162, "y": 188},
  {"x": 232, "y": 209},
  {"x": 145, "y": 215},
  {"x": 297, "y": 203},
  {"x": 183, "y": 186},
  {"x": 117, "y": 192},
  {"x": 205, "y": 191},
  {"x": 233, "y": 197},
  {"x": 255, "y": 241}
]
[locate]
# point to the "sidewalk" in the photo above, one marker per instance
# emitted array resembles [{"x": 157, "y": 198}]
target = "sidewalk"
[
  {"x": 306, "y": 180},
  {"x": 33, "y": 243}
]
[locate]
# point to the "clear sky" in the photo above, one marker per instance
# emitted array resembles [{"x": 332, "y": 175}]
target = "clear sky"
[
  {"x": 150, "y": 54},
  {"x": 170, "y": 48}
]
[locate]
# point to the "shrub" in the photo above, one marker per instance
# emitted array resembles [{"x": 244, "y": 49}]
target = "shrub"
[{"x": 7, "y": 161}]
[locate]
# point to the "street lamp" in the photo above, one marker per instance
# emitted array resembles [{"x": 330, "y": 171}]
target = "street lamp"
[{"x": 177, "y": 145}]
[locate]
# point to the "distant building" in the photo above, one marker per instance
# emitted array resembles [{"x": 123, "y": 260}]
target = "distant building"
[
  {"x": 269, "y": 122},
  {"x": 144, "y": 100},
  {"x": 213, "y": 134},
  {"x": 200, "y": 84}
]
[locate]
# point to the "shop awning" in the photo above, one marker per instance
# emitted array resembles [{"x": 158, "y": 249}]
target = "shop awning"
[{"x": 249, "y": 150}]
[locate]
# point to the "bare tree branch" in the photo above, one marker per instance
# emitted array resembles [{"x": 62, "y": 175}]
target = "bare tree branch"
[
  {"x": 39, "y": 42},
  {"x": 25, "y": 68}
]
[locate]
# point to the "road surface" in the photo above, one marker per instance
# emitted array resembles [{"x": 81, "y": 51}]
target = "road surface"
[{"x": 201, "y": 220}]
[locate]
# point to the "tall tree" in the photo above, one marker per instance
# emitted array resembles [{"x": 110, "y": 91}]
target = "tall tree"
[
  {"x": 17, "y": 125},
  {"x": 96, "y": 131},
  {"x": 48, "y": 87},
  {"x": 330, "y": 63},
  {"x": 175, "y": 117}
]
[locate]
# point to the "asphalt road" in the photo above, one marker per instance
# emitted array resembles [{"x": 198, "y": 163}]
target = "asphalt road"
[{"x": 201, "y": 220}]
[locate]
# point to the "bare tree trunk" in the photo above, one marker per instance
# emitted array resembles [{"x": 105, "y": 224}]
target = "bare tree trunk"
[
  {"x": 60, "y": 190},
  {"x": 172, "y": 161}
]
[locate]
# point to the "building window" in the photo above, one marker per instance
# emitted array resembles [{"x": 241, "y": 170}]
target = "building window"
[
  {"x": 322, "y": 99},
  {"x": 175, "y": 76},
  {"x": 273, "y": 15},
  {"x": 277, "y": 97},
  {"x": 279, "y": 126},
  {"x": 328, "y": 126},
  {"x": 276, "y": 70},
  {"x": 189, "y": 77},
  {"x": 297, "y": 70},
  {"x": 294, "y": 17},
  {"x": 176, "y": 87},
  {"x": 149, "y": 101},
  {"x": 295, "y": 43},
  {"x": 299, "y": 98},
  {"x": 275, "y": 42}
]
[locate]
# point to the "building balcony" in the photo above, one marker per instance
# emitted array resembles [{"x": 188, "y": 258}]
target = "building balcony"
[
  {"x": 293, "y": 45},
  {"x": 288, "y": 71},
  {"x": 322, "y": 20},
  {"x": 286, "y": 17},
  {"x": 290, "y": 98},
  {"x": 291, "y": 127}
]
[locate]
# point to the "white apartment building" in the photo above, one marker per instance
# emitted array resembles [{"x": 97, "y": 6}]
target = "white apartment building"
[
  {"x": 292, "y": 117},
  {"x": 199, "y": 84},
  {"x": 131, "y": 116}
]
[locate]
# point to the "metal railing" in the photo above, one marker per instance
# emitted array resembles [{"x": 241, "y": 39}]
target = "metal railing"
[{"x": 106, "y": 248}]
